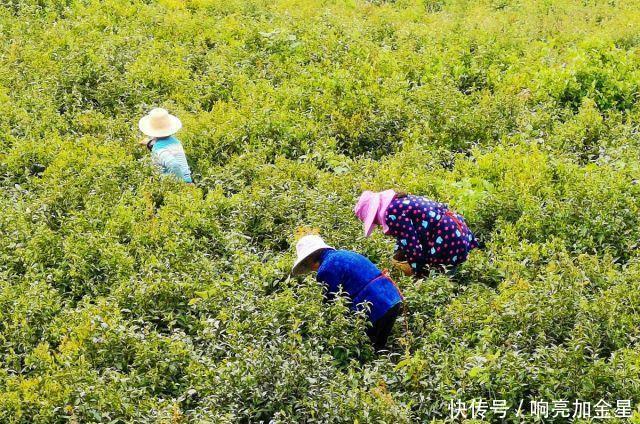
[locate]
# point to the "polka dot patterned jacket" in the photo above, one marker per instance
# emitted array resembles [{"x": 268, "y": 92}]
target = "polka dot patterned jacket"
[{"x": 427, "y": 233}]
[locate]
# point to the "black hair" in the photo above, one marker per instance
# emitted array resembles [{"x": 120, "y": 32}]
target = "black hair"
[{"x": 150, "y": 143}]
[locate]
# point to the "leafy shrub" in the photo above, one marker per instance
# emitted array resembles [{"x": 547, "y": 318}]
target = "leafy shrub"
[{"x": 129, "y": 297}]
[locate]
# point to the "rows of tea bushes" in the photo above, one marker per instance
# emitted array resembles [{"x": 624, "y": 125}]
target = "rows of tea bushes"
[{"x": 128, "y": 297}]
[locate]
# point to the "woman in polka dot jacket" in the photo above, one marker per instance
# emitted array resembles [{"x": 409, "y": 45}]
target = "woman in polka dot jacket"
[{"x": 428, "y": 234}]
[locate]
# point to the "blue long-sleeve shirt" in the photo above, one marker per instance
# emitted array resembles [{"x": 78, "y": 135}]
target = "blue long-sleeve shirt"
[
  {"x": 358, "y": 277},
  {"x": 168, "y": 155}
]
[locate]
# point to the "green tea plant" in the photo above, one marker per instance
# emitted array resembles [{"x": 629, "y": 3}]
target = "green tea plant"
[{"x": 129, "y": 297}]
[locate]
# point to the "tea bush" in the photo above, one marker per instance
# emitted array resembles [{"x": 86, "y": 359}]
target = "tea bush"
[{"x": 128, "y": 297}]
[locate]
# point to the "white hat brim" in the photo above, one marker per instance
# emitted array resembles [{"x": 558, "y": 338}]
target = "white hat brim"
[
  {"x": 145, "y": 126},
  {"x": 301, "y": 266}
]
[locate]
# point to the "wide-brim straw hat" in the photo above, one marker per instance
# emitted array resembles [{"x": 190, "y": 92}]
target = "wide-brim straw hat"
[
  {"x": 306, "y": 249},
  {"x": 159, "y": 123}
]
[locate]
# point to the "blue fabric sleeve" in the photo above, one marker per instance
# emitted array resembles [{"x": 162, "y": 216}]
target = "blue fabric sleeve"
[{"x": 331, "y": 277}]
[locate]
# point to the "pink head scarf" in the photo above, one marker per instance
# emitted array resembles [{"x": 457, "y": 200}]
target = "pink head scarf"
[{"x": 371, "y": 208}]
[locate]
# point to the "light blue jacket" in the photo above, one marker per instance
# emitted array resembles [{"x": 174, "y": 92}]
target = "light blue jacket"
[{"x": 168, "y": 155}]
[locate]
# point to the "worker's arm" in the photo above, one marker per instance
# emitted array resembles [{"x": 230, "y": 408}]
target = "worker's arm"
[
  {"x": 331, "y": 277},
  {"x": 409, "y": 247}
]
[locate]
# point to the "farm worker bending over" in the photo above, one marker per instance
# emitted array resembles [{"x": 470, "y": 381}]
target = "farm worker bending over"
[
  {"x": 166, "y": 150},
  {"x": 358, "y": 277},
  {"x": 428, "y": 234}
]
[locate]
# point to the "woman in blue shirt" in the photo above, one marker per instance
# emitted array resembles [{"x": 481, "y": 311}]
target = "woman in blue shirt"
[
  {"x": 167, "y": 153},
  {"x": 358, "y": 277}
]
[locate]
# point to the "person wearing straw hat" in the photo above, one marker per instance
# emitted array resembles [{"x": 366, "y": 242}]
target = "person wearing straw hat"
[
  {"x": 166, "y": 150},
  {"x": 358, "y": 277},
  {"x": 428, "y": 234}
]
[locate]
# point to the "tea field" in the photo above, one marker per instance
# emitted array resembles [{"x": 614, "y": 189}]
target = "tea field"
[{"x": 127, "y": 297}]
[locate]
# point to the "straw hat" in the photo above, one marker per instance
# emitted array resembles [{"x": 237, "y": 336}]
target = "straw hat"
[
  {"x": 159, "y": 123},
  {"x": 306, "y": 248}
]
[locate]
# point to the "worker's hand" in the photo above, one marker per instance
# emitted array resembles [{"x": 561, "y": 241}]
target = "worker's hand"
[
  {"x": 402, "y": 266},
  {"x": 399, "y": 256}
]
